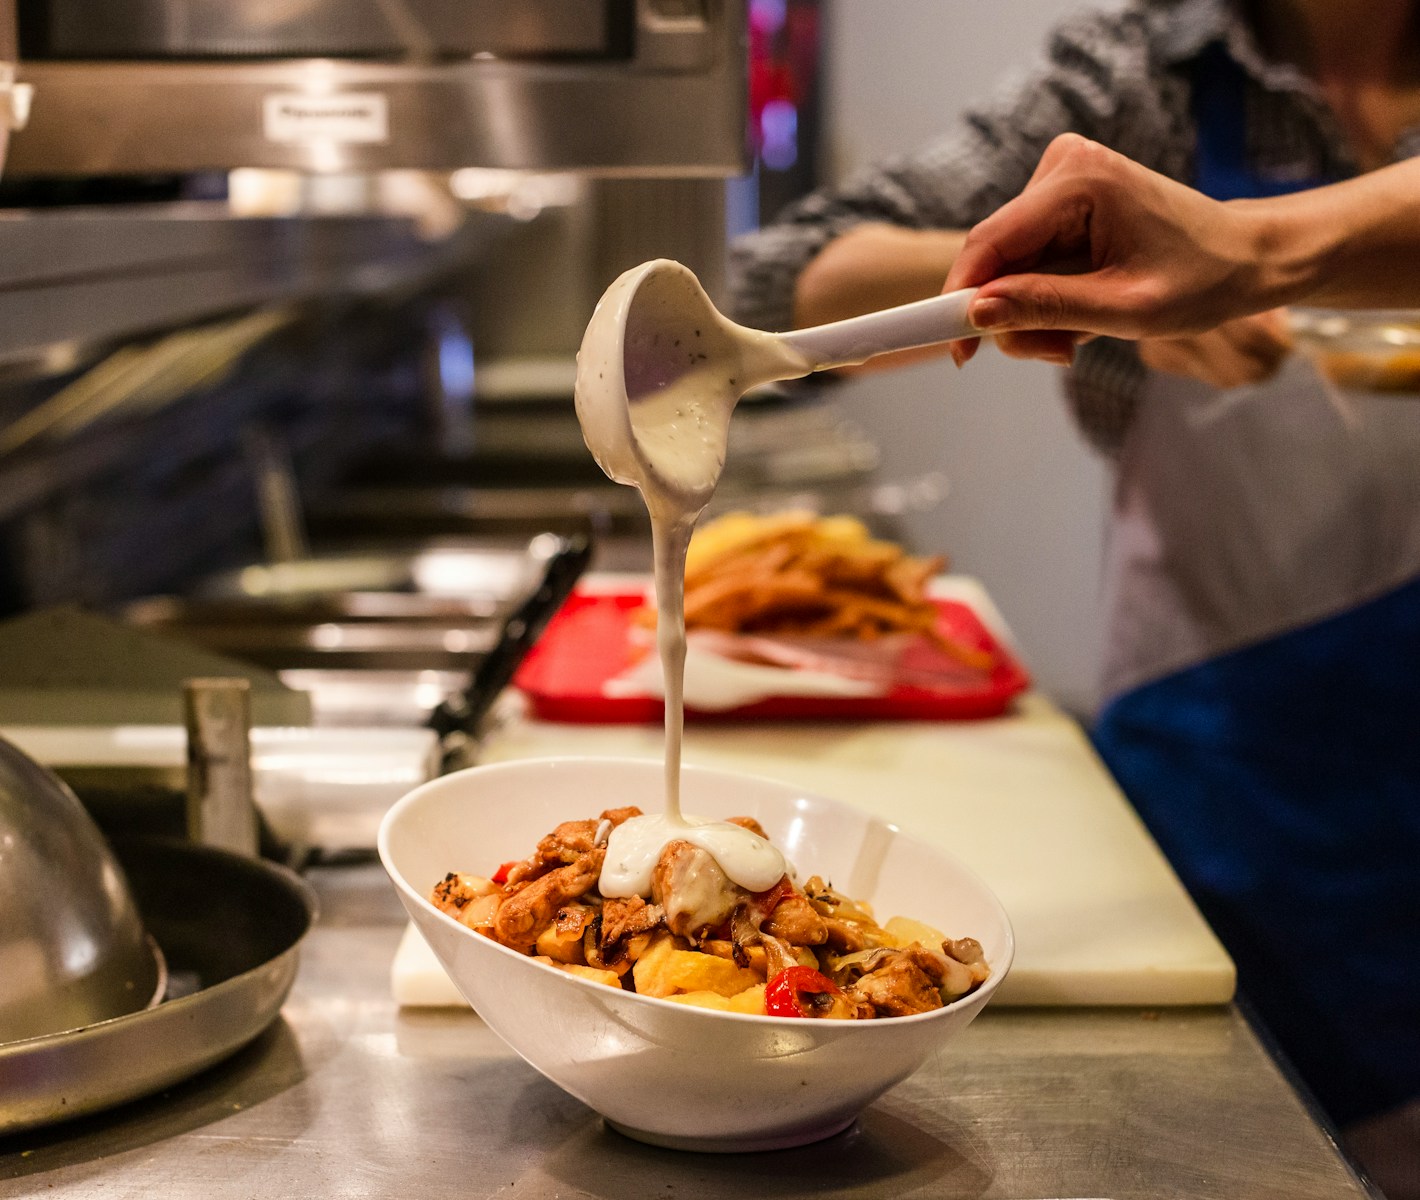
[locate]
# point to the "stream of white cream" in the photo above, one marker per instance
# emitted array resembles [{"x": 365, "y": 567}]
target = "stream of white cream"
[{"x": 680, "y": 423}]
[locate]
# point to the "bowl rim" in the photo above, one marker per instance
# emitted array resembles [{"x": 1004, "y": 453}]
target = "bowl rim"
[{"x": 974, "y": 998}]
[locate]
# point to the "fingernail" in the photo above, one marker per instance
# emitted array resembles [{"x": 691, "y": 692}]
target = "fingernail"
[
  {"x": 992, "y": 312},
  {"x": 1060, "y": 359}
]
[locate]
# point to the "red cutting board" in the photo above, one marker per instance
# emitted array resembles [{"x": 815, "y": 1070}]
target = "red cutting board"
[{"x": 589, "y": 641}]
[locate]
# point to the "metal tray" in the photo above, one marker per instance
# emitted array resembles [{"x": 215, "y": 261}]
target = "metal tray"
[
  {"x": 356, "y": 645},
  {"x": 229, "y": 927},
  {"x": 1365, "y": 350},
  {"x": 436, "y": 606},
  {"x": 482, "y": 572}
]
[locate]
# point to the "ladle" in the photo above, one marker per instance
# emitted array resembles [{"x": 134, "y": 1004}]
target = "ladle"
[{"x": 660, "y": 370}]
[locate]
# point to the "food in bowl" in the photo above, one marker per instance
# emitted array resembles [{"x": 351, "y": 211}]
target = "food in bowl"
[
  {"x": 675, "y": 1074},
  {"x": 705, "y": 940}
]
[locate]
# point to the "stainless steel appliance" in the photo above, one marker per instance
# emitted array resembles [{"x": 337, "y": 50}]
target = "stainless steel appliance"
[
  {"x": 614, "y": 86},
  {"x": 14, "y": 97}
]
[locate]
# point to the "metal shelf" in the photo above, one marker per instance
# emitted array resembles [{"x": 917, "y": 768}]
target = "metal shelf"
[{"x": 84, "y": 276}]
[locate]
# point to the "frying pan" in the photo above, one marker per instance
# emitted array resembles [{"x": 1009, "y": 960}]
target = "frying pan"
[{"x": 229, "y": 927}]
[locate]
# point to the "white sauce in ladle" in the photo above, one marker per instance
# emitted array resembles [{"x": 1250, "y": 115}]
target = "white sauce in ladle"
[{"x": 658, "y": 375}]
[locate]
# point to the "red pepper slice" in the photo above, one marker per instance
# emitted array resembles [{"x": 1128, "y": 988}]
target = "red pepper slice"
[
  {"x": 500, "y": 876},
  {"x": 782, "y": 996},
  {"x": 766, "y": 902}
]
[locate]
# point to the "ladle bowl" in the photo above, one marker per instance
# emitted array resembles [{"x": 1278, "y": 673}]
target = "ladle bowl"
[
  {"x": 661, "y": 369},
  {"x": 73, "y": 949}
]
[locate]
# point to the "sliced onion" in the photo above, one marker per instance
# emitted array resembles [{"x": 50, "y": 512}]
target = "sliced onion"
[{"x": 859, "y": 963}]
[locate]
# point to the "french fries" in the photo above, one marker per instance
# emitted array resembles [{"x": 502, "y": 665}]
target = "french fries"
[{"x": 798, "y": 573}]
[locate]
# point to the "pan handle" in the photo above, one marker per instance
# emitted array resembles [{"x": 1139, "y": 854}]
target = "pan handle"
[{"x": 461, "y": 714}]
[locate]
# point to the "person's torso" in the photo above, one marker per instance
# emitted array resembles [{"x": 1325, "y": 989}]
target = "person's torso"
[{"x": 1245, "y": 513}]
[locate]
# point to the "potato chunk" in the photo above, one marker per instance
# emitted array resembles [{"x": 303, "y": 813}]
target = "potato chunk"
[
  {"x": 667, "y": 970},
  {"x": 750, "y": 1001},
  {"x": 609, "y": 978},
  {"x": 560, "y": 945},
  {"x": 904, "y": 931}
]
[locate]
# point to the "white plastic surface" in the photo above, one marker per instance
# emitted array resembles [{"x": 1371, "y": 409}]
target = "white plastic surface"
[{"x": 1100, "y": 917}]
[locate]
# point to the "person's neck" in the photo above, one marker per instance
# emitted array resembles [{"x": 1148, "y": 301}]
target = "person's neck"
[
  {"x": 1345, "y": 42},
  {"x": 1363, "y": 55}
]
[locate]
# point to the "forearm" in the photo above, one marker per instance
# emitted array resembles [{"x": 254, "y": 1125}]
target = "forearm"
[{"x": 1354, "y": 244}]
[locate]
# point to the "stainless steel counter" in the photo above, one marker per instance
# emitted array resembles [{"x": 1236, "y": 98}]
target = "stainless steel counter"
[{"x": 348, "y": 1096}]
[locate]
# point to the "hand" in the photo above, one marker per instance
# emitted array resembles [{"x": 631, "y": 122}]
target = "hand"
[
  {"x": 1159, "y": 258},
  {"x": 1243, "y": 351}
]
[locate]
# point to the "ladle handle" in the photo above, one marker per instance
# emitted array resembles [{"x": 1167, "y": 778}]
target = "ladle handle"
[{"x": 857, "y": 339}]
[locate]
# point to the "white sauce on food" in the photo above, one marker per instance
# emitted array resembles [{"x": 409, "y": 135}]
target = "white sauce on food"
[
  {"x": 636, "y": 845},
  {"x": 679, "y": 372}
]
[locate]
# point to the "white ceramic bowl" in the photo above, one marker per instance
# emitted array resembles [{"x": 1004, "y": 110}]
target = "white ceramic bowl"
[{"x": 663, "y": 1072}]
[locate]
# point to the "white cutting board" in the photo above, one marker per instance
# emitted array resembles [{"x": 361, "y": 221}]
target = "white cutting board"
[{"x": 1099, "y": 916}]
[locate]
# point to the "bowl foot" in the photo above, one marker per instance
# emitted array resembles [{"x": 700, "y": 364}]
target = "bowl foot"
[{"x": 736, "y": 1144}]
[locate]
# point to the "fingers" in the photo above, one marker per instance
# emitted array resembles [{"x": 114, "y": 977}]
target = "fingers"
[
  {"x": 1252, "y": 347},
  {"x": 1047, "y": 225},
  {"x": 1178, "y": 356},
  {"x": 1269, "y": 332},
  {"x": 1064, "y": 150},
  {"x": 1049, "y": 221},
  {"x": 978, "y": 262},
  {"x": 963, "y": 351},
  {"x": 1044, "y": 223},
  {"x": 1050, "y": 346},
  {"x": 1101, "y": 302},
  {"x": 1237, "y": 354}
]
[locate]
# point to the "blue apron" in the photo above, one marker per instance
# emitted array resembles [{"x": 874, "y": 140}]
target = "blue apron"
[{"x": 1264, "y": 587}]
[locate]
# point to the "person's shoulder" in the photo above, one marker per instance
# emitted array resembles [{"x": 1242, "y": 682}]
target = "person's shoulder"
[
  {"x": 1117, "y": 68},
  {"x": 1158, "y": 32}
]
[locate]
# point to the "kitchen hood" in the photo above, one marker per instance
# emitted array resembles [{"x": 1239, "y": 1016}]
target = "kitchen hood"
[{"x": 613, "y": 87}]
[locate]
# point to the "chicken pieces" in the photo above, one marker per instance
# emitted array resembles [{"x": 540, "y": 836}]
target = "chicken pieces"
[
  {"x": 702, "y": 939},
  {"x": 695, "y": 894},
  {"x": 796, "y": 921},
  {"x": 569, "y": 842},
  {"x": 907, "y": 982},
  {"x": 522, "y": 915}
]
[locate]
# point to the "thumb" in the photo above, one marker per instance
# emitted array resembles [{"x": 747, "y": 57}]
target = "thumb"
[{"x": 1077, "y": 302}]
